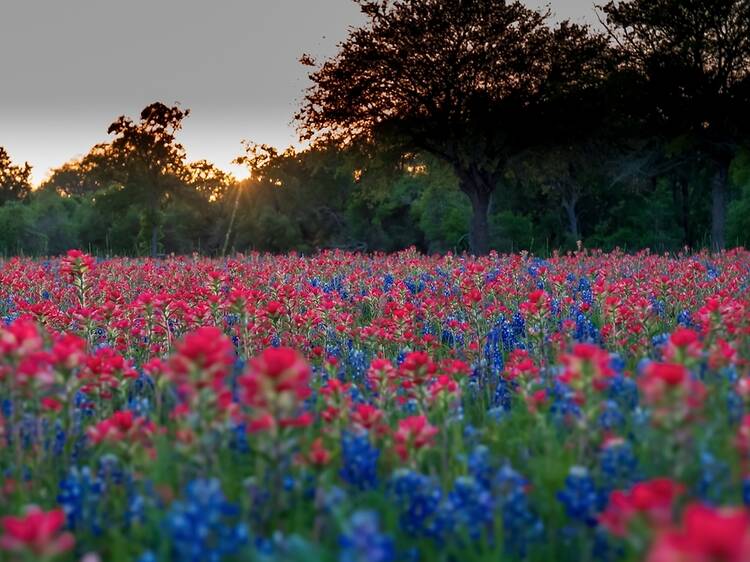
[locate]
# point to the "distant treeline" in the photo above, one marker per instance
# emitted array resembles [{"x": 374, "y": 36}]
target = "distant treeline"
[
  {"x": 446, "y": 125},
  {"x": 321, "y": 199}
]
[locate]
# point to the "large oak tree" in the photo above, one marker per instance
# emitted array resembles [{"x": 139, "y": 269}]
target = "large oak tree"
[
  {"x": 460, "y": 79},
  {"x": 695, "y": 58},
  {"x": 151, "y": 164}
]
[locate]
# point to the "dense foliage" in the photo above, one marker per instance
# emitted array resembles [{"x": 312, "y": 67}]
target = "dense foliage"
[
  {"x": 356, "y": 407},
  {"x": 323, "y": 199}
]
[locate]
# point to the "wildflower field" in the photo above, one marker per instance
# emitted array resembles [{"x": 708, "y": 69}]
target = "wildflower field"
[{"x": 355, "y": 408}]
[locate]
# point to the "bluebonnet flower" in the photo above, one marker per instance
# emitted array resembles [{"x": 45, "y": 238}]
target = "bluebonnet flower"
[
  {"x": 332, "y": 498},
  {"x": 518, "y": 325},
  {"x": 358, "y": 362},
  {"x": 360, "y": 461},
  {"x": 56, "y": 441},
  {"x": 28, "y": 431},
  {"x": 580, "y": 497},
  {"x": 7, "y": 408},
  {"x": 618, "y": 466},
  {"x": 586, "y": 329},
  {"x": 584, "y": 291},
  {"x": 480, "y": 465},
  {"x": 110, "y": 470},
  {"x": 362, "y": 540},
  {"x": 80, "y": 496},
  {"x": 493, "y": 350},
  {"x": 735, "y": 406},
  {"x": 418, "y": 498},
  {"x": 617, "y": 363},
  {"x": 712, "y": 272},
  {"x": 659, "y": 340},
  {"x": 555, "y": 307},
  {"x": 624, "y": 391},
  {"x": 657, "y": 306},
  {"x": 471, "y": 435},
  {"x": 147, "y": 556},
  {"x": 135, "y": 511},
  {"x": 238, "y": 438},
  {"x": 492, "y": 275},
  {"x": 714, "y": 478},
  {"x": 685, "y": 319},
  {"x": 562, "y": 402},
  {"x": 447, "y": 337},
  {"x": 611, "y": 417},
  {"x": 201, "y": 525},
  {"x": 415, "y": 286},
  {"x": 521, "y": 525},
  {"x": 470, "y": 507},
  {"x": 503, "y": 397},
  {"x": 388, "y": 281}
]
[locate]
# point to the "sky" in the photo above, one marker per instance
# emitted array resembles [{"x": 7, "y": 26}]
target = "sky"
[{"x": 71, "y": 67}]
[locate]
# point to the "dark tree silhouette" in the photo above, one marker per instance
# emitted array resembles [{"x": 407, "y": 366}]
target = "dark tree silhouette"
[
  {"x": 695, "y": 56},
  {"x": 15, "y": 183},
  {"x": 455, "y": 78},
  {"x": 150, "y": 161},
  {"x": 82, "y": 176}
]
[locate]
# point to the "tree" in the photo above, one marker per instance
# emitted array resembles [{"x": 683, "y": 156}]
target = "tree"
[
  {"x": 82, "y": 176},
  {"x": 208, "y": 181},
  {"x": 150, "y": 162},
  {"x": 695, "y": 55},
  {"x": 15, "y": 180},
  {"x": 454, "y": 78}
]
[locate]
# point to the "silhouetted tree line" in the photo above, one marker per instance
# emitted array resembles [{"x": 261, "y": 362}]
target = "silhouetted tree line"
[{"x": 447, "y": 125}]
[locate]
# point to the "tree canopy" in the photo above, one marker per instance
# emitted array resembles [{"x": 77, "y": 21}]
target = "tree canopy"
[
  {"x": 462, "y": 80},
  {"x": 15, "y": 182}
]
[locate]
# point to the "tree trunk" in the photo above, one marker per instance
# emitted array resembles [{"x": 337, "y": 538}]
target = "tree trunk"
[
  {"x": 479, "y": 234},
  {"x": 719, "y": 207},
  {"x": 569, "y": 204},
  {"x": 478, "y": 187},
  {"x": 154, "y": 239}
]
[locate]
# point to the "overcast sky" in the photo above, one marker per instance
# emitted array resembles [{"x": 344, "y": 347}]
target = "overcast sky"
[{"x": 70, "y": 67}]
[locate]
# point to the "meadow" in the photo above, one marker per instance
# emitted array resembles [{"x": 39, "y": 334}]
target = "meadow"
[{"x": 350, "y": 407}]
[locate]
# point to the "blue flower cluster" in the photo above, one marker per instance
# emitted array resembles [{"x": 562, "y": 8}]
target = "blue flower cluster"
[
  {"x": 360, "y": 461},
  {"x": 201, "y": 527},
  {"x": 362, "y": 540}
]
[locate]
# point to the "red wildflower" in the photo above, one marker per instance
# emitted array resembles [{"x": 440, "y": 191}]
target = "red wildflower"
[
  {"x": 119, "y": 426},
  {"x": 707, "y": 535},
  {"x": 683, "y": 337},
  {"x": 381, "y": 374},
  {"x": 443, "y": 385},
  {"x": 413, "y": 433},
  {"x": 366, "y": 416},
  {"x": 670, "y": 373},
  {"x": 203, "y": 358},
  {"x": 416, "y": 368},
  {"x": 36, "y": 532},
  {"x": 586, "y": 363},
  {"x": 274, "y": 385},
  {"x": 653, "y": 499},
  {"x": 20, "y": 338},
  {"x": 318, "y": 455},
  {"x": 51, "y": 404},
  {"x": 68, "y": 350}
]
